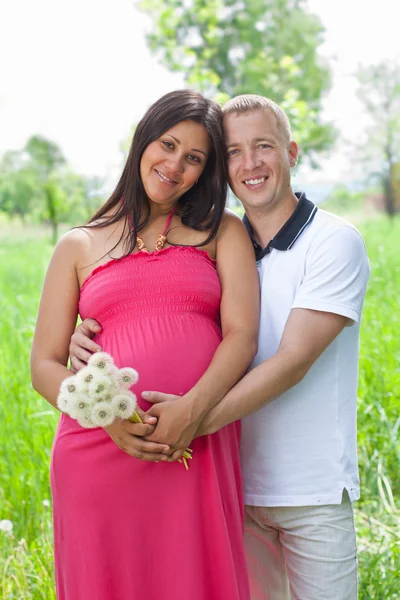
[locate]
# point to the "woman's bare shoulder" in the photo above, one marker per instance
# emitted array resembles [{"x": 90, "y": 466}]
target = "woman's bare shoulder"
[
  {"x": 231, "y": 224},
  {"x": 75, "y": 240}
]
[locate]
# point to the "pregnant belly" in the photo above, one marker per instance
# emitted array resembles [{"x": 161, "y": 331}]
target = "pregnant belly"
[{"x": 170, "y": 353}]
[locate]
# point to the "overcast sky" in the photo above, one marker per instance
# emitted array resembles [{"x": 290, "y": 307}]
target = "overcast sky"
[{"x": 79, "y": 72}]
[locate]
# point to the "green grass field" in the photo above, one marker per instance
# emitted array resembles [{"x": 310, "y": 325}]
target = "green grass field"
[{"x": 27, "y": 422}]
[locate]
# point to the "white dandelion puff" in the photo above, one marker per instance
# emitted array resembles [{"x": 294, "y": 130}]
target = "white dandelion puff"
[
  {"x": 6, "y": 526},
  {"x": 65, "y": 401},
  {"x": 85, "y": 421},
  {"x": 46, "y": 503},
  {"x": 124, "y": 405},
  {"x": 81, "y": 407},
  {"x": 102, "y": 414},
  {"x": 69, "y": 386},
  {"x": 102, "y": 361},
  {"x": 101, "y": 386},
  {"x": 104, "y": 398},
  {"x": 112, "y": 371},
  {"x": 85, "y": 377},
  {"x": 127, "y": 377}
]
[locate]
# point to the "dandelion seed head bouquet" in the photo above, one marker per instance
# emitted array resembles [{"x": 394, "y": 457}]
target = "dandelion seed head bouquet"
[{"x": 99, "y": 393}]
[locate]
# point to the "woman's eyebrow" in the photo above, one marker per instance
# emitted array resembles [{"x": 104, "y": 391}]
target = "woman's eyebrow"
[{"x": 179, "y": 143}]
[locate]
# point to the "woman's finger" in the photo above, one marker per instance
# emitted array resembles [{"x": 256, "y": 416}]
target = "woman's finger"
[{"x": 140, "y": 445}]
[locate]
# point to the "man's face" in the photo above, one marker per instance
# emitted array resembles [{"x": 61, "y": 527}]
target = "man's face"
[{"x": 259, "y": 159}]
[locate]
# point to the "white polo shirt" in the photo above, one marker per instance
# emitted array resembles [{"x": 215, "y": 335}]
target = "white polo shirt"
[{"x": 301, "y": 448}]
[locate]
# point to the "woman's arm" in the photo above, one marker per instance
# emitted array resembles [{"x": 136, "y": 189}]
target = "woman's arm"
[
  {"x": 55, "y": 324},
  {"x": 56, "y": 320},
  {"x": 178, "y": 420}
]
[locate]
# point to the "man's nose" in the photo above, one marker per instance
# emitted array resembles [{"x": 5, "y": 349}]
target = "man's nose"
[{"x": 250, "y": 160}]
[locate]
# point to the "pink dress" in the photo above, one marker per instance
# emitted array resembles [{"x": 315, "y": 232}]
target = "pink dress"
[{"x": 126, "y": 529}]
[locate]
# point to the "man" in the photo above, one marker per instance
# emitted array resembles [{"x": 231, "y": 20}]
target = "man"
[{"x": 298, "y": 401}]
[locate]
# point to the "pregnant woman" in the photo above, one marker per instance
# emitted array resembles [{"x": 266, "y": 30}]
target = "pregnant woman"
[{"x": 171, "y": 279}]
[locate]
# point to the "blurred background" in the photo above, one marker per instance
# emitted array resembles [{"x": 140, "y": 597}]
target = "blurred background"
[
  {"x": 75, "y": 79},
  {"x": 77, "y": 76}
]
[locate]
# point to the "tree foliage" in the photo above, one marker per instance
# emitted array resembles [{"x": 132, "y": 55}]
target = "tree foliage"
[
  {"x": 18, "y": 185},
  {"x": 38, "y": 182},
  {"x": 379, "y": 92},
  {"x": 230, "y": 47}
]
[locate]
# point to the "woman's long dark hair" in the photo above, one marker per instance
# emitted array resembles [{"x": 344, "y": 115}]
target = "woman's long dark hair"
[{"x": 202, "y": 206}]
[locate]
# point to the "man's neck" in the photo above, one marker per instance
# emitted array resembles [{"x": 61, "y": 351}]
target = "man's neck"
[{"x": 267, "y": 222}]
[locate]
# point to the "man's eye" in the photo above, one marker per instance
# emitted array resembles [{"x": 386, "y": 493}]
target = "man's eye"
[
  {"x": 231, "y": 152},
  {"x": 265, "y": 146}
]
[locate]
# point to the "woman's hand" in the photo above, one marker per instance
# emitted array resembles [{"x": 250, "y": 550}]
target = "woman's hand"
[
  {"x": 82, "y": 346},
  {"x": 129, "y": 437}
]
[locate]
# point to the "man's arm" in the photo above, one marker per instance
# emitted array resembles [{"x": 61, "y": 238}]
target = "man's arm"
[
  {"x": 82, "y": 346},
  {"x": 329, "y": 297},
  {"x": 306, "y": 335}
]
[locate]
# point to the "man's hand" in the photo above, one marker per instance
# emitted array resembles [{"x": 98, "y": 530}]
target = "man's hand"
[
  {"x": 176, "y": 425},
  {"x": 82, "y": 346}
]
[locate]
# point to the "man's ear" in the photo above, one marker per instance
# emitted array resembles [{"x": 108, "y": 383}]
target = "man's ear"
[{"x": 293, "y": 151}]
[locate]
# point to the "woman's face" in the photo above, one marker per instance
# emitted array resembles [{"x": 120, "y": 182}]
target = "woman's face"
[{"x": 172, "y": 164}]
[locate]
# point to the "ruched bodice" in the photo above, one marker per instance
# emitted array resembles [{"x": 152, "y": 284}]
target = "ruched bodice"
[{"x": 175, "y": 280}]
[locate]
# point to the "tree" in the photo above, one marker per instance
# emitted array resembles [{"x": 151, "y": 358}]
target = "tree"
[
  {"x": 379, "y": 92},
  {"x": 37, "y": 181},
  {"x": 45, "y": 155},
  {"x": 49, "y": 164},
  {"x": 230, "y": 47},
  {"x": 19, "y": 190}
]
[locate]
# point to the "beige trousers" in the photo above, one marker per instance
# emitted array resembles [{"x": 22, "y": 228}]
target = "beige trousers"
[{"x": 302, "y": 553}]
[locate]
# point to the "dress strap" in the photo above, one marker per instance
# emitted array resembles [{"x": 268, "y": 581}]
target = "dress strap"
[{"x": 167, "y": 224}]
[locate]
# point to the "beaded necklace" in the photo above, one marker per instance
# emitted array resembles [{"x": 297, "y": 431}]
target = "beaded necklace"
[{"x": 161, "y": 239}]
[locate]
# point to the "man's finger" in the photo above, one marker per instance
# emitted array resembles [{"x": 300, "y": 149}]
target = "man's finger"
[
  {"x": 89, "y": 327},
  {"x": 81, "y": 341},
  {"x": 80, "y": 353},
  {"x": 176, "y": 455},
  {"x": 76, "y": 364},
  {"x": 157, "y": 397},
  {"x": 141, "y": 429},
  {"x": 146, "y": 418}
]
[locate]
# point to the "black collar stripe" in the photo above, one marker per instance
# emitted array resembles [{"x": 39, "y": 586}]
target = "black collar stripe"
[
  {"x": 310, "y": 218},
  {"x": 289, "y": 233}
]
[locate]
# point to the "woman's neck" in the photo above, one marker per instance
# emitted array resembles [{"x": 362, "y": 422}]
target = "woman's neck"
[{"x": 161, "y": 210}]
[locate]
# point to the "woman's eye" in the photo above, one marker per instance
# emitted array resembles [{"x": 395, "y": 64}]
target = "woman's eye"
[
  {"x": 194, "y": 158},
  {"x": 167, "y": 144}
]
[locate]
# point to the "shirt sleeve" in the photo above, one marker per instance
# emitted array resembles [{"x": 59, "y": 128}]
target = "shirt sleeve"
[{"x": 336, "y": 274}]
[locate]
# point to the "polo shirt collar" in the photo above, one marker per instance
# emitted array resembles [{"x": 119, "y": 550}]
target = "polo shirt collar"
[{"x": 288, "y": 234}]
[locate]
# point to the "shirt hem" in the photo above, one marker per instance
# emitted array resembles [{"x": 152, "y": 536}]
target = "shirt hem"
[
  {"x": 314, "y": 500},
  {"x": 337, "y": 309}
]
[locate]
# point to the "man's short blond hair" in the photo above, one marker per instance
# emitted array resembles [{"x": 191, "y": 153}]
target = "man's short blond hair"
[{"x": 250, "y": 102}]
